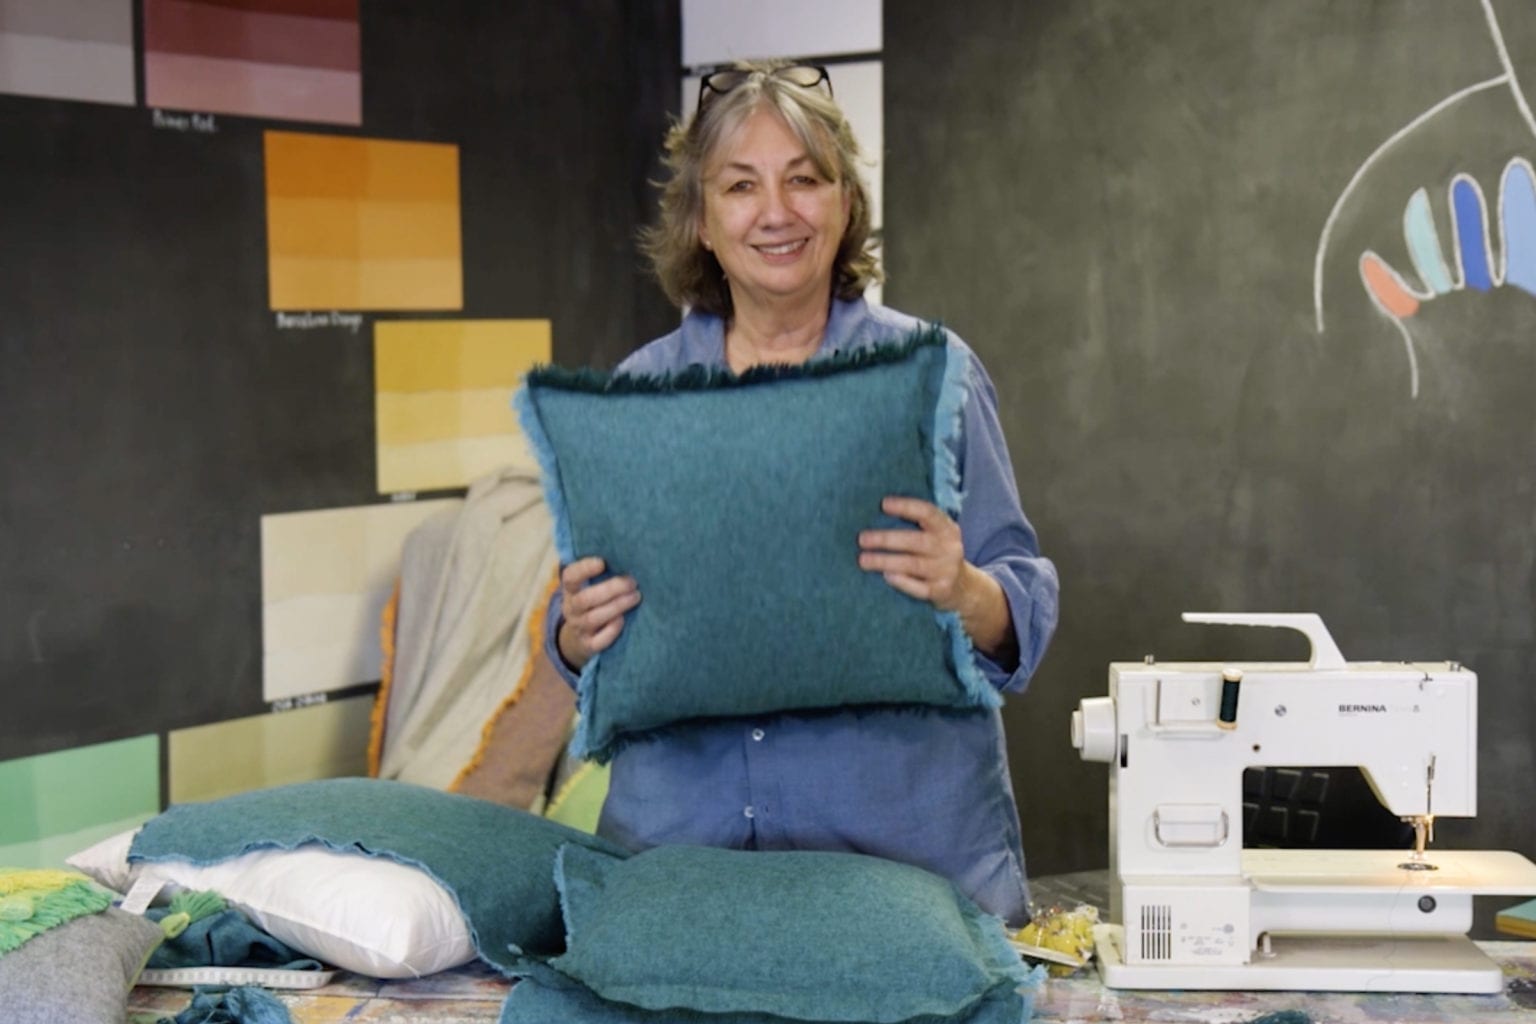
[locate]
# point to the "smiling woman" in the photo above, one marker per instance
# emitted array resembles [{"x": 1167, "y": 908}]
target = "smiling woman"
[
  {"x": 774, "y": 219},
  {"x": 765, "y": 241}
]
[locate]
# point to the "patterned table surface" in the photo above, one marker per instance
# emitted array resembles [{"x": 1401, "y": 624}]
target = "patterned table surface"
[{"x": 474, "y": 994}]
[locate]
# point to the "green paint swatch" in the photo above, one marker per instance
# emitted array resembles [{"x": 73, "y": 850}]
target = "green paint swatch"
[{"x": 54, "y": 804}]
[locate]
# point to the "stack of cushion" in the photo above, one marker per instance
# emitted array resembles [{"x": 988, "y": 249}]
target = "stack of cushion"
[
  {"x": 695, "y": 934},
  {"x": 384, "y": 878}
]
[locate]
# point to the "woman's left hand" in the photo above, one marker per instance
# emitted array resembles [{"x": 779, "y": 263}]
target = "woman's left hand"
[{"x": 928, "y": 563}]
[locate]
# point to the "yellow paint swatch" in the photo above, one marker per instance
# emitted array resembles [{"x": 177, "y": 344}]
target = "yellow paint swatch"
[
  {"x": 443, "y": 398},
  {"x": 325, "y": 577},
  {"x": 322, "y": 741},
  {"x": 362, "y": 223}
]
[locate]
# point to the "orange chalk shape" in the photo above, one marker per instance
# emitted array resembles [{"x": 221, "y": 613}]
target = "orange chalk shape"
[{"x": 1387, "y": 287}]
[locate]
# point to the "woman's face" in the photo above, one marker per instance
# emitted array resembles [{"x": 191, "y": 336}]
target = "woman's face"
[{"x": 771, "y": 218}]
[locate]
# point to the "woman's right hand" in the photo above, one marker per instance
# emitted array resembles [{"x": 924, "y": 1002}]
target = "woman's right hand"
[{"x": 593, "y": 612}]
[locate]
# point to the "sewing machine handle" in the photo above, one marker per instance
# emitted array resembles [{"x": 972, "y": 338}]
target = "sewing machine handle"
[
  {"x": 1196, "y": 826},
  {"x": 1325, "y": 653}
]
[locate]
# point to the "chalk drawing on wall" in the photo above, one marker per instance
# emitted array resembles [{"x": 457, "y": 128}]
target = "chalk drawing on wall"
[
  {"x": 1475, "y": 261},
  {"x": 442, "y": 390},
  {"x": 356, "y": 223},
  {"x": 298, "y": 61}
]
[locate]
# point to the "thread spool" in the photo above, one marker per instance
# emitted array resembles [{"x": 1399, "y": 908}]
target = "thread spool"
[{"x": 1231, "y": 684}]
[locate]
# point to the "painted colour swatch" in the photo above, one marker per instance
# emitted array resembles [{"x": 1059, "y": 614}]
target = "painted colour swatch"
[
  {"x": 76, "y": 50},
  {"x": 55, "y": 805},
  {"x": 297, "y": 60},
  {"x": 325, "y": 578},
  {"x": 362, "y": 223},
  {"x": 442, "y": 395},
  {"x": 322, "y": 741}
]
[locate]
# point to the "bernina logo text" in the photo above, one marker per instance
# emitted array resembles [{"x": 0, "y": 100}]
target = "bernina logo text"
[{"x": 1362, "y": 709}]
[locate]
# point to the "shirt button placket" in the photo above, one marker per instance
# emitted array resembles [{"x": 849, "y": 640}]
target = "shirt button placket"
[{"x": 754, "y": 752}]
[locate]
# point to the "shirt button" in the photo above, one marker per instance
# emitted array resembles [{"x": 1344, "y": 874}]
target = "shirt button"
[
  {"x": 747, "y": 811},
  {"x": 758, "y": 734}
]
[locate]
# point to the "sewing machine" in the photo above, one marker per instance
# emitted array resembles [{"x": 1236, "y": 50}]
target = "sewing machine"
[{"x": 1190, "y": 908}]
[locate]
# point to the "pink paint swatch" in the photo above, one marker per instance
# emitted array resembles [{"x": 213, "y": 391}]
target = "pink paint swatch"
[{"x": 296, "y": 60}]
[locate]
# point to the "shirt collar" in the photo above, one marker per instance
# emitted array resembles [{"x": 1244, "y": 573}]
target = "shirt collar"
[{"x": 704, "y": 333}]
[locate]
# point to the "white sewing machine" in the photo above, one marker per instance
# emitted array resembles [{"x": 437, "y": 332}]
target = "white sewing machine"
[{"x": 1190, "y": 908}]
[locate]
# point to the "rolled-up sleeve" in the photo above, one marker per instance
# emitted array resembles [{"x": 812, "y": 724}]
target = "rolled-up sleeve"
[{"x": 998, "y": 536}]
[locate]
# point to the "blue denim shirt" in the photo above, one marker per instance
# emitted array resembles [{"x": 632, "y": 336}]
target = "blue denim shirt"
[{"x": 924, "y": 786}]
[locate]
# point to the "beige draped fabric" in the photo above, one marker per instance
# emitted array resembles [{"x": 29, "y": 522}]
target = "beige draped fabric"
[{"x": 470, "y": 702}]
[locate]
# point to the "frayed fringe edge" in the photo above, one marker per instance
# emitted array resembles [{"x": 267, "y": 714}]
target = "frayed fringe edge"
[
  {"x": 698, "y": 377},
  {"x": 949, "y": 424},
  {"x": 524, "y": 404}
]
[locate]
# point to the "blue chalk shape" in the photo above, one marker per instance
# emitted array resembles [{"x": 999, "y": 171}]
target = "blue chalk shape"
[
  {"x": 1424, "y": 244},
  {"x": 1469, "y": 212},
  {"x": 1517, "y": 200}
]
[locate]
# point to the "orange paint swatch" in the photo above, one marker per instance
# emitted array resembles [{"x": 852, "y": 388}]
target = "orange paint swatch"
[{"x": 362, "y": 223}]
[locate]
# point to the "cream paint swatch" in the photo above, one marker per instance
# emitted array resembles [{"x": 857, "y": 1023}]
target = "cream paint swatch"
[
  {"x": 443, "y": 392},
  {"x": 322, "y": 741},
  {"x": 716, "y": 31},
  {"x": 362, "y": 223},
  {"x": 325, "y": 578},
  {"x": 68, "y": 50}
]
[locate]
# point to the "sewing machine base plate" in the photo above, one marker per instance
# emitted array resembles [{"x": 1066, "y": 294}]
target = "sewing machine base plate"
[{"x": 1319, "y": 963}]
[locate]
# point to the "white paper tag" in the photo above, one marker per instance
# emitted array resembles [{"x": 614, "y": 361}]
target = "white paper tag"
[{"x": 142, "y": 894}]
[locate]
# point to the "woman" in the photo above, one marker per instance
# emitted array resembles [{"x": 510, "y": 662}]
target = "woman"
[{"x": 765, "y": 241}]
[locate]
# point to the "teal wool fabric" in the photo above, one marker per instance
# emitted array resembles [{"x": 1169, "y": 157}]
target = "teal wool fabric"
[
  {"x": 498, "y": 862},
  {"x": 533, "y": 1003},
  {"x": 736, "y": 503},
  {"x": 800, "y": 935},
  {"x": 245, "y": 1004}
]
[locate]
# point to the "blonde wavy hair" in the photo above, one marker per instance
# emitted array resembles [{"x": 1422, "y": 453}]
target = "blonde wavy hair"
[{"x": 689, "y": 274}]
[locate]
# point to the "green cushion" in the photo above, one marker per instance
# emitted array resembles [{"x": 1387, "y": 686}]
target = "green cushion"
[
  {"x": 799, "y": 934},
  {"x": 79, "y": 972},
  {"x": 579, "y": 800},
  {"x": 739, "y": 499},
  {"x": 498, "y": 862}
]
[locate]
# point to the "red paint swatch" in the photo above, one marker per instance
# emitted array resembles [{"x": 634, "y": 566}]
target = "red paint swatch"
[{"x": 296, "y": 60}]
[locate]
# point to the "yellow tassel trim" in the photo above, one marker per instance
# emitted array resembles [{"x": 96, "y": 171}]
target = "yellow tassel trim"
[
  {"x": 386, "y": 675},
  {"x": 30, "y": 880}
]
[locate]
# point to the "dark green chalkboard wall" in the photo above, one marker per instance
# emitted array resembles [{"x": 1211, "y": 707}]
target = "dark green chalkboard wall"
[
  {"x": 150, "y": 409},
  {"x": 1120, "y": 204}
]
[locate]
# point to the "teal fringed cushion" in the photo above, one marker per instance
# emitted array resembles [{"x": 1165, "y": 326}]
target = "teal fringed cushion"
[
  {"x": 534, "y": 1003},
  {"x": 736, "y": 503},
  {"x": 497, "y": 862},
  {"x": 798, "y": 935}
]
